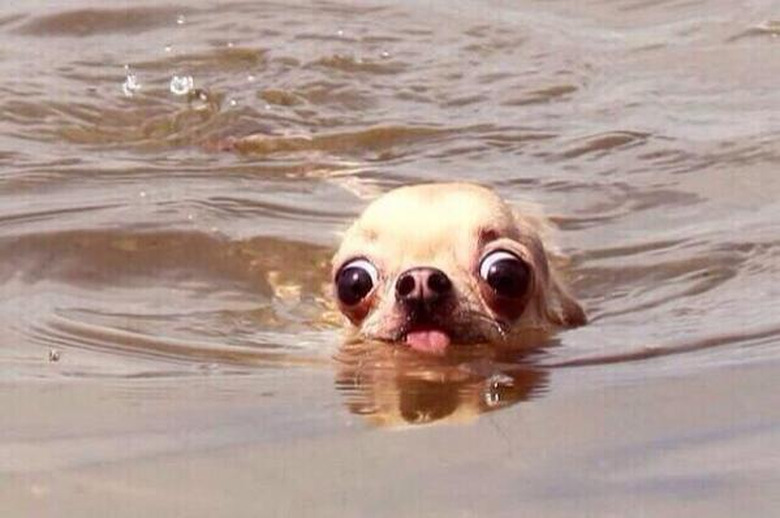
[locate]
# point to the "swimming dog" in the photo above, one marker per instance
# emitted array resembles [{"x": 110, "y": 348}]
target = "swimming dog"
[{"x": 434, "y": 265}]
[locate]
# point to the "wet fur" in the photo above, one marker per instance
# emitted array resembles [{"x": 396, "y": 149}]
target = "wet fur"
[{"x": 451, "y": 226}]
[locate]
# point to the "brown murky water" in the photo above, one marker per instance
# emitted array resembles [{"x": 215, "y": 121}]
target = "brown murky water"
[{"x": 168, "y": 347}]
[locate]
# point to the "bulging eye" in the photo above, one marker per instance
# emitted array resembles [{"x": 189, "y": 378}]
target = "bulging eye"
[
  {"x": 355, "y": 280},
  {"x": 505, "y": 273}
]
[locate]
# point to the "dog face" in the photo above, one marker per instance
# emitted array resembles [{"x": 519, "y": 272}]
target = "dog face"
[{"x": 433, "y": 264}]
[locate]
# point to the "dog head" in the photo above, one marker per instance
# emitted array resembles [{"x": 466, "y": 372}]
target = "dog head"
[{"x": 435, "y": 264}]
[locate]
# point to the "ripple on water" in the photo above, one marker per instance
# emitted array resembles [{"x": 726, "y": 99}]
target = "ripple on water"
[
  {"x": 91, "y": 22},
  {"x": 191, "y": 297},
  {"x": 226, "y": 59},
  {"x": 589, "y": 117},
  {"x": 765, "y": 29},
  {"x": 60, "y": 331},
  {"x": 543, "y": 95},
  {"x": 372, "y": 139},
  {"x": 353, "y": 64},
  {"x": 605, "y": 142}
]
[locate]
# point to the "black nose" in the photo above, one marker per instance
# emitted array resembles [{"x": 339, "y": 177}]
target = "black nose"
[{"x": 422, "y": 285}]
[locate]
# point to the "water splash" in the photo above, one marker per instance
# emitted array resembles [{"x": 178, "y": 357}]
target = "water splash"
[
  {"x": 131, "y": 85},
  {"x": 181, "y": 85}
]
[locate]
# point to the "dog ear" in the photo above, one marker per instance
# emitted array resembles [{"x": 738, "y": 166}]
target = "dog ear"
[
  {"x": 555, "y": 304},
  {"x": 560, "y": 308}
]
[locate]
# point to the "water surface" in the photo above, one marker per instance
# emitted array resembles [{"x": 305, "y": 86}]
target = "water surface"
[{"x": 169, "y": 346}]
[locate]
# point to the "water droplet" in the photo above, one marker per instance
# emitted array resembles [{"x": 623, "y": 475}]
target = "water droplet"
[
  {"x": 181, "y": 85},
  {"x": 492, "y": 399},
  {"x": 198, "y": 94},
  {"x": 200, "y": 99},
  {"x": 181, "y": 19},
  {"x": 385, "y": 54},
  {"x": 494, "y": 387},
  {"x": 501, "y": 380},
  {"x": 131, "y": 84},
  {"x": 54, "y": 355}
]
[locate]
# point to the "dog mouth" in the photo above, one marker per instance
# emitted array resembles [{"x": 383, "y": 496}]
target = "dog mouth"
[
  {"x": 425, "y": 330},
  {"x": 427, "y": 339},
  {"x": 436, "y": 331}
]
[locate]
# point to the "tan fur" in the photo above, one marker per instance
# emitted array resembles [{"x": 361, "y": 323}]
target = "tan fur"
[{"x": 444, "y": 226}]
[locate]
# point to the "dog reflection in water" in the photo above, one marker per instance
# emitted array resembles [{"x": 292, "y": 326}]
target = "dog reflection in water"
[{"x": 396, "y": 387}]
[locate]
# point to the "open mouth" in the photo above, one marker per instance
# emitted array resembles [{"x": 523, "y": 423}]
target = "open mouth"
[{"x": 427, "y": 339}]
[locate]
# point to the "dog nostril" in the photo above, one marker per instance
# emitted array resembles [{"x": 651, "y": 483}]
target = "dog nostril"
[
  {"x": 439, "y": 283},
  {"x": 405, "y": 285}
]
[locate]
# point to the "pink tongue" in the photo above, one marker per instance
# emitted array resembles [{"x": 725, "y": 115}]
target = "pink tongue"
[{"x": 430, "y": 341}]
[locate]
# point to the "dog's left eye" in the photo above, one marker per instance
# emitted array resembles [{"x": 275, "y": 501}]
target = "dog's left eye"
[
  {"x": 505, "y": 273},
  {"x": 355, "y": 280}
]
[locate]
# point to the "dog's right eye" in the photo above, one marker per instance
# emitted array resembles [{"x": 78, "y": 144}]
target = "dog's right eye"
[{"x": 355, "y": 280}]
